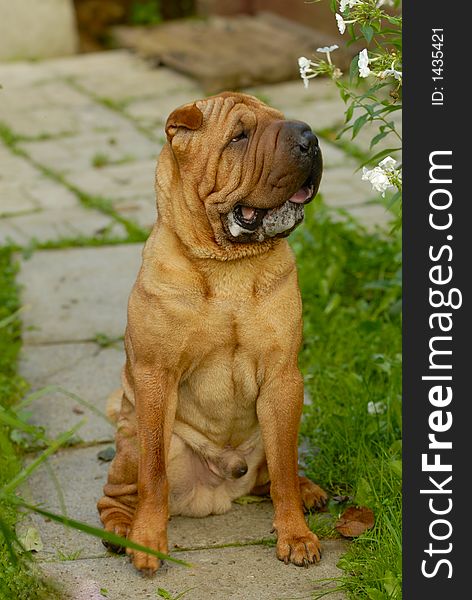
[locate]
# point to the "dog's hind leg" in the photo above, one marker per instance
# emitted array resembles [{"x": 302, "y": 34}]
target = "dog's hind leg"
[{"x": 118, "y": 504}]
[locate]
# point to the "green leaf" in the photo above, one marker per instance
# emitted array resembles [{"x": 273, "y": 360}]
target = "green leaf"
[
  {"x": 396, "y": 466},
  {"x": 348, "y": 114},
  {"x": 353, "y": 67},
  {"x": 392, "y": 586},
  {"x": 333, "y": 304},
  {"x": 364, "y": 492},
  {"x": 31, "y": 540},
  {"x": 358, "y": 124},
  {"x": 376, "y": 139},
  {"x": 367, "y": 32}
]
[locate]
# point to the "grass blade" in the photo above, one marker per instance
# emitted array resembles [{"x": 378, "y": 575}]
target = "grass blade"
[
  {"x": 26, "y": 472},
  {"x": 96, "y": 532},
  {"x": 50, "y": 389}
]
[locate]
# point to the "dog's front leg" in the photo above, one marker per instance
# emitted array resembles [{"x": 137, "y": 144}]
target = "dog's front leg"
[
  {"x": 279, "y": 409},
  {"x": 156, "y": 401}
]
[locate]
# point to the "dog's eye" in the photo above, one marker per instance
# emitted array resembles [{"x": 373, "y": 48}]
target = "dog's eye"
[{"x": 237, "y": 138}]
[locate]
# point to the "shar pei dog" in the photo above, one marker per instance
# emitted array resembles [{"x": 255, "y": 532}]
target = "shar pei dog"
[{"x": 211, "y": 393}]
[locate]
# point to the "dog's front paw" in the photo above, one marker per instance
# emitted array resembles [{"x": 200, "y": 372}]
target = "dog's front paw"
[
  {"x": 145, "y": 535},
  {"x": 312, "y": 495},
  {"x": 301, "y": 550}
]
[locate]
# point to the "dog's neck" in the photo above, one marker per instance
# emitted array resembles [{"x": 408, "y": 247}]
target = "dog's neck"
[
  {"x": 197, "y": 235},
  {"x": 167, "y": 259}
]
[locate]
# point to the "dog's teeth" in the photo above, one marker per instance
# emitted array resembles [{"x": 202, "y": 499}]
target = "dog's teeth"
[{"x": 248, "y": 212}]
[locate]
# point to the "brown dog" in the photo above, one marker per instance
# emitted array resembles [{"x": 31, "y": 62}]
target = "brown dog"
[{"x": 212, "y": 394}]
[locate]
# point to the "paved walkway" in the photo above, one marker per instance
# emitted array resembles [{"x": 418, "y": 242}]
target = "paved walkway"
[{"x": 81, "y": 136}]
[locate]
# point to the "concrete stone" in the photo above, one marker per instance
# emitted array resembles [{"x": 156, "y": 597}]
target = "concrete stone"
[
  {"x": 19, "y": 74},
  {"x": 55, "y": 224},
  {"x": 50, "y": 27},
  {"x": 24, "y": 188},
  {"x": 19, "y": 195},
  {"x": 14, "y": 200},
  {"x": 130, "y": 187},
  {"x": 85, "y": 370},
  {"x": 14, "y": 168},
  {"x": 137, "y": 80},
  {"x": 245, "y": 573},
  {"x": 75, "y": 293},
  {"x": 105, "y": 143},
  {"x": 103, "y": 63}
]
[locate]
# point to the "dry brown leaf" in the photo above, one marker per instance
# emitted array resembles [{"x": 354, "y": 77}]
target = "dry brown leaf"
[{"x": 354, "y": 521}]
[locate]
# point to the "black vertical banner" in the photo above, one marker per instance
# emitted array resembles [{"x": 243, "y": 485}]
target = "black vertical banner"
[{"x": 437, "y": 243}]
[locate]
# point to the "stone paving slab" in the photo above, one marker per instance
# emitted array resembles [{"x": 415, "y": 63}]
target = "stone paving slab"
[
  {"x": 86, "y": 370},
  {"x": 63, "y": 223},
  {"x": 121, "y": 143},
  {"x": 75, "y": 293},
  {"x": 246, "y": 573},
  {"x": 81, "y": 476},
  {"x": 129, "y": 186}
]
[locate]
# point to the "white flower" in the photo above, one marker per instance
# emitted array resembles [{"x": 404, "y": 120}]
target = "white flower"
[
  {"x": 343, "y": 4},
  {"x": 376, "y": 408},
  {"x": 397, "y": 74},
  {"x": 327, "y": 49},
  {"x": 306, "y": 71},
  {"x": 388, "y": 163},
  {"x": 383, "y": 2},
  {"x": 341, "y": 24},
  {"x": 378, "y": 178},
  {"x": 363, "y": 63},
  {"x": 383, "y": 176}
]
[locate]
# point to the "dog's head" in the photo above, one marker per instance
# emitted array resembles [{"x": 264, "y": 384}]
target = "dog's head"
[{"x": 243, "y": 170}]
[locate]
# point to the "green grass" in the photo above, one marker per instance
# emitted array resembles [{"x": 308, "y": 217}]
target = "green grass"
[
  {"x": 17, "y": 578},
  {"x": 351, "y": 288}
]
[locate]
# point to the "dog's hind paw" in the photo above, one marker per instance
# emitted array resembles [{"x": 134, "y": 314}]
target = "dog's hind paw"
[
  {"x": 121, "y": 529},
  {"x": 312, "y": 495}
]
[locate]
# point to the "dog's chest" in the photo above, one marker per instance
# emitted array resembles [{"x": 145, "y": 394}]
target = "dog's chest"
[{"x": 219, "y": 390}]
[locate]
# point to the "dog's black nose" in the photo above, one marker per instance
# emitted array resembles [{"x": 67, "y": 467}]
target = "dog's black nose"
[
  {"x": 308, "y": 141},
  {"x": 239, "y": 471}
]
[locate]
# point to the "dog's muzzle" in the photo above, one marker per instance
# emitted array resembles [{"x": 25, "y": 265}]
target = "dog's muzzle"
[{"x": 249, "y": 223}]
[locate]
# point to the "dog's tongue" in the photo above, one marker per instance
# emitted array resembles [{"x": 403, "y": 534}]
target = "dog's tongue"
[
  {"x": 302, "y": 195},
  {"x": 248, "y": 212}
]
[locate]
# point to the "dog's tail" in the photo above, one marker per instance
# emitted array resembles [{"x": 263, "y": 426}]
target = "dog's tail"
[{"x": 114, "y": 405}]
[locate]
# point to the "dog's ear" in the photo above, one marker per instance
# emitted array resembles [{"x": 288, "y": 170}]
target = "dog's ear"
[{"x": 188, "y": 116}]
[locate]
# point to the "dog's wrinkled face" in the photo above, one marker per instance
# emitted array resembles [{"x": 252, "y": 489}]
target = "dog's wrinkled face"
[{"x": 253, "y": 170}]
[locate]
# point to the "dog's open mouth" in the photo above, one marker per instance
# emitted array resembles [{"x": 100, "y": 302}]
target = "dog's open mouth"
[{"x": 261, "y": 223}]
